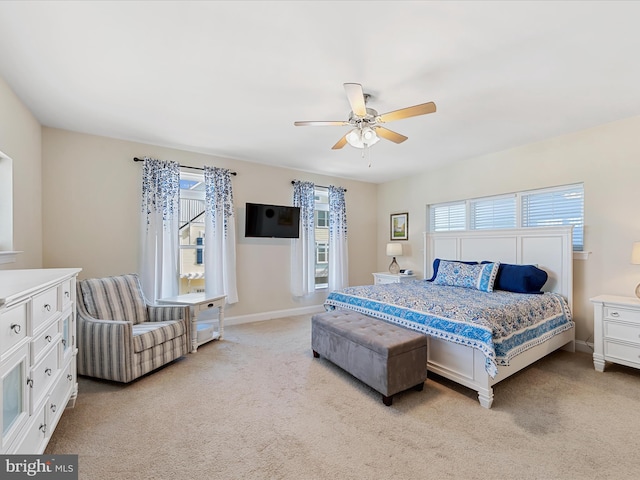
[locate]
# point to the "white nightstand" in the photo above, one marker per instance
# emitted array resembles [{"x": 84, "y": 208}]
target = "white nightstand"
[
  {"x": 386, "y": 277},
  {"x": 616, "y": 331}
]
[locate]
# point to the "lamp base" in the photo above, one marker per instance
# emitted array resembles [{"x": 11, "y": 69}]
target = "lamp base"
[{"x": 395, "y": 268}]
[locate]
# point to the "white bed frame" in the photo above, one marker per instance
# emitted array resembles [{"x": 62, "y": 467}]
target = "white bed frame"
[{"x": 550, "y": 248}]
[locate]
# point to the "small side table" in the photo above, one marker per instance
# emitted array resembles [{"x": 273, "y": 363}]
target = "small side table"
[
  {"x": 199, "y": 302},
  {"x": 386, "y": 277}
]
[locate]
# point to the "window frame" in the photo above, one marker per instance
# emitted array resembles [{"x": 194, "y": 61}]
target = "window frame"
[{"x": 433, "y": 225}]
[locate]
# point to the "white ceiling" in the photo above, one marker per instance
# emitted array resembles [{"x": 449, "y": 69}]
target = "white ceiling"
[{"x": 230, "y": 78}]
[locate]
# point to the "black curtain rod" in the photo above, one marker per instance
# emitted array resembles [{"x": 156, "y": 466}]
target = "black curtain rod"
[
  {"x": 321, "y": 186},
  {"x": 136, "y": 159}
]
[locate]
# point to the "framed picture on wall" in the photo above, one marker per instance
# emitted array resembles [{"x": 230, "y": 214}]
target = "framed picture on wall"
[{"x": 399, "y": 226}]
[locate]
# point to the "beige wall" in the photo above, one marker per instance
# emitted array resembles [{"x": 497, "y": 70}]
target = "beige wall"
[
  {"x": 92, "y": 193},
  {"x": 20, "y": 139},
  {"x": 605, "y": 158}
]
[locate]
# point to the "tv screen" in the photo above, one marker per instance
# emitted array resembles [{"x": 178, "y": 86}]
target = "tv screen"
[{"x": 276, "y": 221}]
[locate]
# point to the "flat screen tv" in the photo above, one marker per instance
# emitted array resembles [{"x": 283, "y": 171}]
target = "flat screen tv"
[{"x": 275, "y": 221}]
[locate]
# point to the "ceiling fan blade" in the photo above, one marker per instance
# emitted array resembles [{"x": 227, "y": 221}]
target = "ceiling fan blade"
[
  {"x": 356, "y": 98},
  {"x": 421, "y": 109},
  {"x": 341, "y": 143},
  {"x": 337, "y": 123},
  {"x": 390, "y": 135}
]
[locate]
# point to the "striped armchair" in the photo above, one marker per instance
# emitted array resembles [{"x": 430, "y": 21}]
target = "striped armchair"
[{"x": 120, "y": 336}]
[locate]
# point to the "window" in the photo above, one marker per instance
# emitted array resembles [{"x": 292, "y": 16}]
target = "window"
[
  {"x": 534, "y": 208},
  {"x": 6, "y": 210},
  {"x": 191, "y": 232},
  {"x": 321, "y": 216}
]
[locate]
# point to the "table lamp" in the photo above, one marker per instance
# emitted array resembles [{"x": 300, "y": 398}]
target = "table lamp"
[{"x": 395, "y": 250}]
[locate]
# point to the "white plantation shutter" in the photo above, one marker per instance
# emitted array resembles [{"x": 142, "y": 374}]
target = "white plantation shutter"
[
  {"x": 555, "y": 207},
  {"x": 450, "y": 216},
  {"x": 496, "y": 212}
]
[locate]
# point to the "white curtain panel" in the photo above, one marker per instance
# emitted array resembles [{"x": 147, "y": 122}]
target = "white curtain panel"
[
  {"x": 219, "y": 235},
  {"x": 159, "y": 228},
  {"x": 338, "y": 251},
  {"x": 303, "y": 249}
]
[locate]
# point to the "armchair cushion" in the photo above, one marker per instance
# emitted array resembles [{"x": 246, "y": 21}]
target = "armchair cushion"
[
  {"x": 114, "y": 298},
  {"x": 148, "y": 334}
]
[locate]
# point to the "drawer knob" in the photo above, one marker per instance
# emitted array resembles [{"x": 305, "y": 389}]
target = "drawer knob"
[
  {"x": 30, "y": 382},
  {"x": 47, "y": 307},
  {"x": 16, "y": 328},
  {"x": 48, "y": 338},
  {"x": 64, "y": 342},
  {"x": 67, "y": 294},
  {"x": 615, "y": 314},
  {"x": 69, "y": 377},
  {"x": 210, "y": 305},
  {"x": 48, "y": 371},
  {"x": 43, "y": 427},
  {"x": 53, "y": 407}
]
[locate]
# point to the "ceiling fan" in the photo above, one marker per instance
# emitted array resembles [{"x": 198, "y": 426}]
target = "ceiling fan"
[{"x": 366, "y": 122}]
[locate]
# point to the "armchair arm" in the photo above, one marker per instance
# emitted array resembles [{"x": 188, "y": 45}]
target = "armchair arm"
[
  {"x": 105, "y": 348},
  {"x": 162, "y": 313}
]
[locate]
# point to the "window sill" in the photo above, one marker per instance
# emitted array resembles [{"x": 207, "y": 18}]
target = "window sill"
[
  {"x": 581, "y": 255},
  {"x": 8, "y": 257}
]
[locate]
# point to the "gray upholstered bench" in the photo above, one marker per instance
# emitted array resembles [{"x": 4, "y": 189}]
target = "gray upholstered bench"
[{"x": 387, "y": 357}]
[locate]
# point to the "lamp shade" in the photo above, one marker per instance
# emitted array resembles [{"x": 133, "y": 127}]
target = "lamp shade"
[
  {"x": 394, "y": 249},
  {"x": 635, "y": 253}
]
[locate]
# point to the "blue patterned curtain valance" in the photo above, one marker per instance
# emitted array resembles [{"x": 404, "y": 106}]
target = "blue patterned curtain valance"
[
  {"x": 160, "y": 188},
  {"x": 218, "y": 195}
]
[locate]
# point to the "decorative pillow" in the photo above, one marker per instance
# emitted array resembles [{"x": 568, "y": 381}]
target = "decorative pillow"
[
  {"x": 458, "y": 274},
  {"x": 520, "y": 278},
  {"x": 436, "y": 265}
]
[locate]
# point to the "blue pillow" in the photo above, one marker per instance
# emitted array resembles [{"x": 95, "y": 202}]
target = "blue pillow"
[
  {"x": 457, "y": 274},
  {"x": 520, "y": 278},
  {"x": 436, "y": 264}
]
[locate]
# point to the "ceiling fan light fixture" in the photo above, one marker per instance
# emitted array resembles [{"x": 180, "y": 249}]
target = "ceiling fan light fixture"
[{"x": 362, "y": 137}]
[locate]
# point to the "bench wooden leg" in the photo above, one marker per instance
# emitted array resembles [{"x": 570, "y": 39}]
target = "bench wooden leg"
[
  {"x": 316, "y": 354},
  {"x": 419, "y": 387},
  {"x": 387, "y": 400}
]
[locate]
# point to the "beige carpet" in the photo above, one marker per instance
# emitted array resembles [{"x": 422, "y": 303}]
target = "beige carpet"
[{"x": 257, "y": 405}]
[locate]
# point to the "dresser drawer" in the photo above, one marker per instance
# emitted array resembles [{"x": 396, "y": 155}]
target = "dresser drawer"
[
  {"x": 13, "y": 328},
  {"x": 66, "y": 293},
  {"x": 43, "y": 374},
  {"x": 626, "y": 314},
  {"x": 34, "y": 438},
  {"x": 622, "y": 352},
  {"x": 43, "y": 341},
  {"x": 60, "y": 396},
  {"x": 44, "y": 306}
]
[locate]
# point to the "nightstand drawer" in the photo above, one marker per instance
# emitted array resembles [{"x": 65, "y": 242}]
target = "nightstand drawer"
[
  {"x": 622, "y": 331},
  {"x": 617, "y": 313},
  {"x": 625, "y": 353}
]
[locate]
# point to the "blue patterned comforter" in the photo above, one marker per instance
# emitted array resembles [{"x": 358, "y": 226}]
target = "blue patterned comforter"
[{"x": 500, "y": 324}]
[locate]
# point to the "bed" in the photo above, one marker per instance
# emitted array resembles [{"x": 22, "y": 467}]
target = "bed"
[{"x": 481, "y": 352}]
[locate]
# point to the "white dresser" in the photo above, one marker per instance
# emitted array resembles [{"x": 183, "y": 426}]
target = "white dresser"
[
  {"x": 37, "y": 355},
  {"x": 616, "y": 331},
  {"x": 386, "y": 277}
]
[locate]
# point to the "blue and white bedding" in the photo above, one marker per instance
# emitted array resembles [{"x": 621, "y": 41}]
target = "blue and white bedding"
[{"x": 500, "y": 324}]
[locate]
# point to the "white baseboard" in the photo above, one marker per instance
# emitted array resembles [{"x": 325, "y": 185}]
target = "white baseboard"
[
  {"x": 259, "y": 317},
  {"x": 584, "y": 346}
]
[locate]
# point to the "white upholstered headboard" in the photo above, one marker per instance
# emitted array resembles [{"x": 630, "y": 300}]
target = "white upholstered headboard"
[{"x": 550, "y": 248}]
